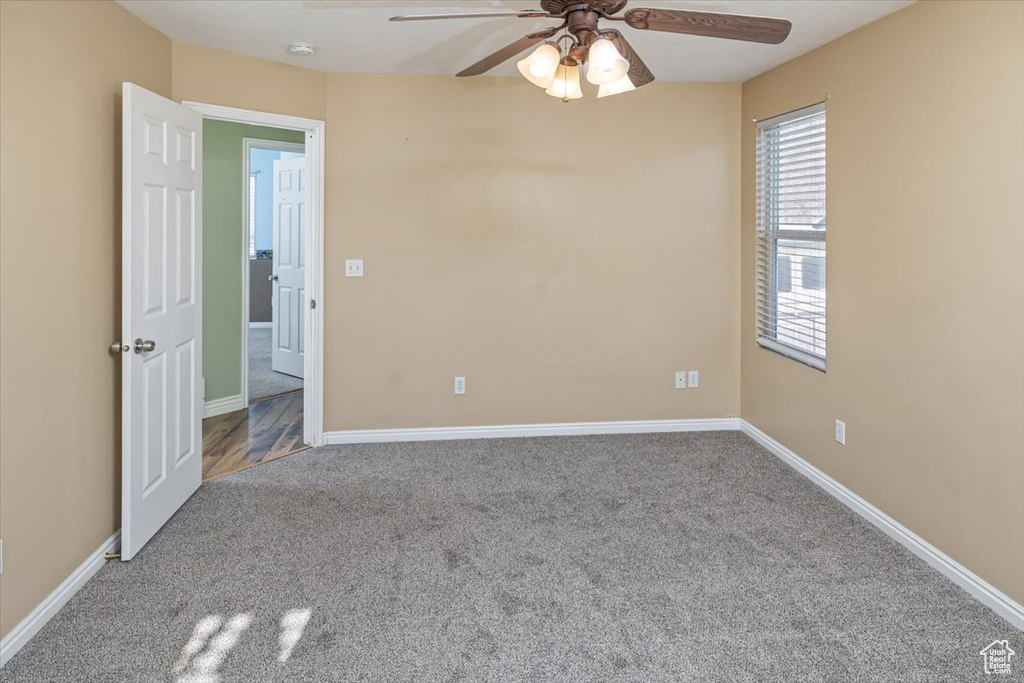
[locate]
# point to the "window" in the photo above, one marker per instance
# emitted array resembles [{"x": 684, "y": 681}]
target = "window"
[
  {"x": 252, "y": 215},
  {"x": 791, "y": 235}
]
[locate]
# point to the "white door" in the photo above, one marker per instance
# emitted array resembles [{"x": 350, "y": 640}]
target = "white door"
[
  {"x": 289, "y": 278},
  {"x": 161, "y": 371}
]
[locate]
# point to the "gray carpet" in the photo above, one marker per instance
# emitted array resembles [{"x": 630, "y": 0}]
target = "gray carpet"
[
  {"x": 263, "y": 381},
  {"x": 685, "y": 557}
]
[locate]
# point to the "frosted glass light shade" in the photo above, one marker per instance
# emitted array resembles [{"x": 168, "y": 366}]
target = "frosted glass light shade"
[
  {"x": 540, "y": 66},
  {"x": 606, "y": 65},
  {"x": 566, "y": 84},
  {"x": 620, "y": 86}
]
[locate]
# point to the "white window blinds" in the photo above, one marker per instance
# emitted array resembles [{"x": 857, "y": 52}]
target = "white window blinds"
[{"x": 791, "y": 234}]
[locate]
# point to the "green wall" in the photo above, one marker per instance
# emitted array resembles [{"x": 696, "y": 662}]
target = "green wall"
[{"x": 224, "y": 235}]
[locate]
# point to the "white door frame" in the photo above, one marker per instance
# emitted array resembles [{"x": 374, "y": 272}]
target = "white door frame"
[
  {"x": 247, "y": 145},
  {"x": 313, "y": 396}
]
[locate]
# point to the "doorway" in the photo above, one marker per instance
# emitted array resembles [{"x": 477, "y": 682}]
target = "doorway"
[
  {"x": 264, "y": 403},
  {"x": 274, "y": 215},
  {"x": 168, "y": 362}
]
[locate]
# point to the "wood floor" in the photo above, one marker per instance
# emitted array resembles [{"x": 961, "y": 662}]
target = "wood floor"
[{"x": 267, "y": 430}]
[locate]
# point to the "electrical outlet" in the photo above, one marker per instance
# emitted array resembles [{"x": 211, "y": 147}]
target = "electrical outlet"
[
  {"x": 354, "y": 267},
  {"x": 460, "y": 385},
  {"x": 841, "y": 432},
  {"x": 694, "y": 380},
  {"x": 681, "y": 379}
]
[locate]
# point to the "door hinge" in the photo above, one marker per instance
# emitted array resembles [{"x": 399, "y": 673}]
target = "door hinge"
[{"x": 312, "y": 303}]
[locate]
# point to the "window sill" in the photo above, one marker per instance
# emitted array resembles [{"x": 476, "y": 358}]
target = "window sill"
[{"x": 795, "y": 354}]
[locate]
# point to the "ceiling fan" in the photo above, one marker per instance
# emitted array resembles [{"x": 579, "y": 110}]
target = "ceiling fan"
[{"x": 610, "y": 61}]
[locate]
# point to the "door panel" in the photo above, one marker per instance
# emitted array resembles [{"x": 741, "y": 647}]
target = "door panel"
[
  {"x": 154, "y": 422},
  {"x": 185, "y": 254},
  {"x": 284, "y": 313},
  {"x": 185, "y": 428},
  {"x": 154, "y": 232},
  {"x": 161, "y": 410},
  {"x": 289, "y": 285}
]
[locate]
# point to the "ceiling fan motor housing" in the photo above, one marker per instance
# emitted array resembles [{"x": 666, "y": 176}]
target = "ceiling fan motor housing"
[
  {"x": 601, "y": 6},
  {"x": 583, "y": 25}
]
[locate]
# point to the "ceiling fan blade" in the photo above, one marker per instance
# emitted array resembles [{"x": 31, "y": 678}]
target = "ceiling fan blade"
[
  {"x": 472, "y": 15},
  {"x": 638, "y": 72},
  {"x": 710, "y": 24},
  {"x": 507, "y": 52}
]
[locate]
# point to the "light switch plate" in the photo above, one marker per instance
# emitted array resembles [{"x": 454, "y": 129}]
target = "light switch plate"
[
  {"x": 460, "y": 385},
  {"x": 841, "y": 432},
  {"x": 354, "y": 267}
]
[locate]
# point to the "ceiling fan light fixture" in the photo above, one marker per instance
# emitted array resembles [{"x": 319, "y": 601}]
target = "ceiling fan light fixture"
[
  {"x": 622, "y": 85},
  {"x": 610, "y": 61},
  {"x": 540, "y": 66},
  {"x": 605, "y": 64},
  {"x": 567, "y": 83}
]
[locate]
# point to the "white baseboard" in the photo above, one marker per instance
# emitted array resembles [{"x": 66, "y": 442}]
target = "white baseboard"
[
  {"x": 219, "y": 406},
  {"x": 260, "y": 326},
  {"x": 44, "y": 611},
  {"x": 509, "y": 431},
  {"x": 981, "y": 590}
]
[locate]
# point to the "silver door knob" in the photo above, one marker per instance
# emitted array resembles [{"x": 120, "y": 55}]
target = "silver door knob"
[
  {"x": 271, "y": 278},
  {"x": 147, "y": 345}
]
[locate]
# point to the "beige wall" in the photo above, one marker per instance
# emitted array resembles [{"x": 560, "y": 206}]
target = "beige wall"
[
  {"x": 61, "y": 68},
  {"x": 472, "y": 205},
  {"x": 925, "y": 277},
  {"x": 201, "y": 74},
  {"x": 566, "y": 259}
]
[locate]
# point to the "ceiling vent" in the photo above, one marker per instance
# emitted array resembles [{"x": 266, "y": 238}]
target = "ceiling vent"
[{"x": 303, "y": 49}]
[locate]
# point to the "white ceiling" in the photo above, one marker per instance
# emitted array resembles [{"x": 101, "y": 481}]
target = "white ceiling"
[{"x": 355, "y": 36}]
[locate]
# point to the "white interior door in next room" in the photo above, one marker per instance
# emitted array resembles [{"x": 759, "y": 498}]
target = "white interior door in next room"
[
  {"x": 161, "y": 312},
  {"x": 289, "y": 277}
]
